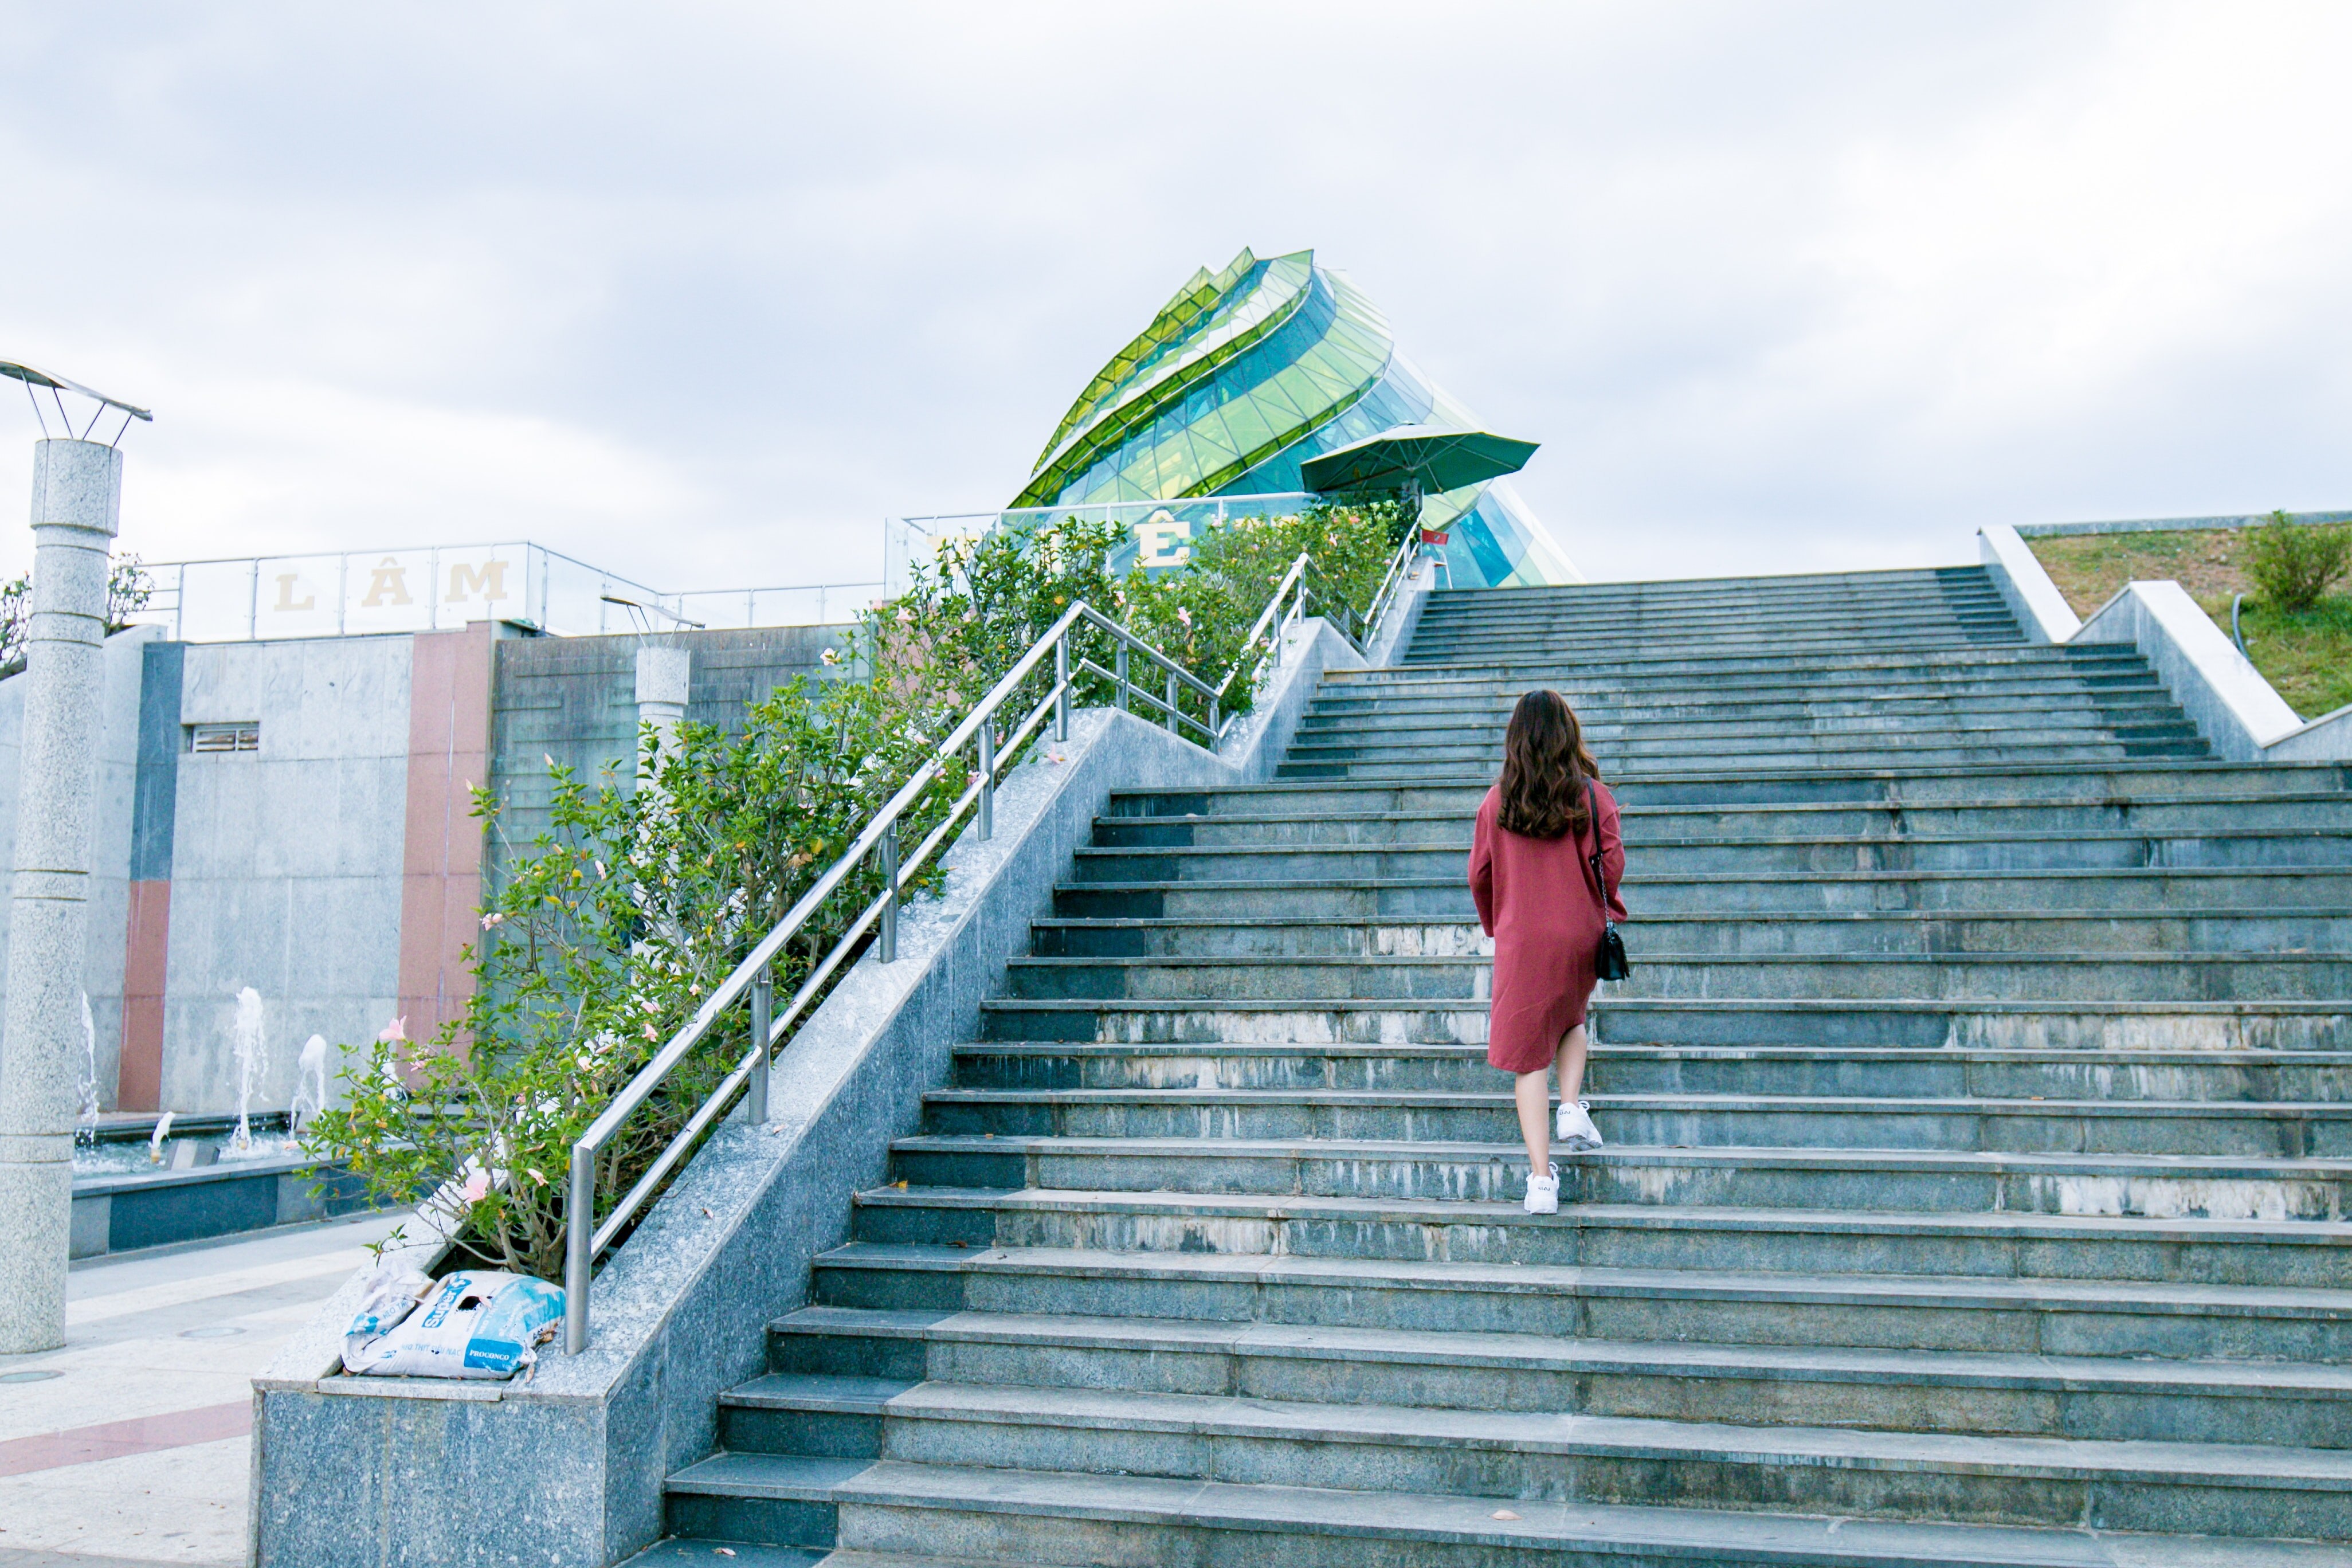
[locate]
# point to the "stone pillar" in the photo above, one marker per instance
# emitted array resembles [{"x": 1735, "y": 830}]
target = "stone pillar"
[
  {"x": 662, "y": 676},
  {"x": 77, "y": 497}
]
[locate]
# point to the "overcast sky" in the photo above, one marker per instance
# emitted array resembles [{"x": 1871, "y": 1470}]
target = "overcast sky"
[{"x": 702, "y": 292}]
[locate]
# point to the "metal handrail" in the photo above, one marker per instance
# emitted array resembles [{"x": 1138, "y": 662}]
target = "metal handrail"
[
  {"x": 1289, "y": 605},
  {"x": 584, "y": 1241},
  {"x": 1400, "y": 570}
]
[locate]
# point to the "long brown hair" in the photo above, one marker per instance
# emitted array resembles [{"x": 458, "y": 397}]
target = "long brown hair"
[{"x": 1545, "y": 765}]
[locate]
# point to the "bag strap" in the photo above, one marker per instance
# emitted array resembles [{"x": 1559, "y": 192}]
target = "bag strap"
[{"x": 1593, "y": 821}]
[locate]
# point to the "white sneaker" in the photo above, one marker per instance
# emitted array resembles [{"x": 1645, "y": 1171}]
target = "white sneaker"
[
  {"x": 1543, "y": 1193},
  {"x": 1574, "y": 1129}
]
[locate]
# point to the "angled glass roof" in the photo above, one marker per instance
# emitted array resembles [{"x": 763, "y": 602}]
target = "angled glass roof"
[{"x": 1245, "y": 373}]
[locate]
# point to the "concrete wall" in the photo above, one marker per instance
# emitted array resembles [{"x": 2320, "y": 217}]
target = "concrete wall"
[
  {"x": 286, "y": 864},
  {"x": 337, "y": 869},
  {"x": 573, "y": 700}
]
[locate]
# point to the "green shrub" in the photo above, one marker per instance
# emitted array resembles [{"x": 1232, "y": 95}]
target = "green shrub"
[
  {"x": 599, "y": 943},
  {"x": 2294, "y": 565},
  {"x": 601, "y": 937}
]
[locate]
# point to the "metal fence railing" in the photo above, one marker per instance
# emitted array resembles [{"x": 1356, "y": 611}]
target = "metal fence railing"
[{"x": 441, "y": 587}]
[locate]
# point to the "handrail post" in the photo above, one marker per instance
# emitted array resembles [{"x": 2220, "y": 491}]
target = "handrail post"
[
  {"x": 1062, "y": 687},
  {"x": 579, "y": 1236},
  {"x": 1172, "y": 704},
  {"x": 889, "y": 849},
  {"x": 1121, "y": 669},
  {"x": 984, "y": 822},
  {"x": 1216, "y": 728},
  {"x": 763, "y": 1003}
]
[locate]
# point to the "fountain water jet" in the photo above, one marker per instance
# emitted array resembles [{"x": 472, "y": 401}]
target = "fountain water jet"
[
  {"x": 309, "y": 1088},
  {"x": 252, "y": 1059},
  {"x": 86, "y": 1123}
]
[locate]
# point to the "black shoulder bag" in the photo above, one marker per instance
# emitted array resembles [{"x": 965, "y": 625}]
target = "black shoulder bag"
[{"x": 1610, "y": 963}]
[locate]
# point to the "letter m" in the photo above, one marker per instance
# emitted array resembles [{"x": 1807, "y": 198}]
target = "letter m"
[{"x": 487, "y": 581}]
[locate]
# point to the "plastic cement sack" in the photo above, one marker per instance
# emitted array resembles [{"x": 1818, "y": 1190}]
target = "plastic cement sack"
[{"x": 476, "y": 1323}]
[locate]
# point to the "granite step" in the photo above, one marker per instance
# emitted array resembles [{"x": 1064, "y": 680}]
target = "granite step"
[
  {"x": 2117, "y": 784},
  {"x": 2284, "y": 1129},
  {"x": 2301, "y": 1254},
  {"x": 1701, "y": 1021},
  {"x": 2005, "y": 1313},
  {"x": 2118, "y": 849},
  {"x": 2115, "y": 1074},
  {"x": 1488, "y": 1170},
  {"x": 807, "y": 1405},
  {"x": 2237, "y": 1490},
  {"x": 1759, "y": 976},
  {"x": 897, "y": 1515},
  {"x": 1692, "y": 932}
]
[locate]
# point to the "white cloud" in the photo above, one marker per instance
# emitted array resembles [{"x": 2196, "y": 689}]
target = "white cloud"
[{"x": 701, "y": 294}]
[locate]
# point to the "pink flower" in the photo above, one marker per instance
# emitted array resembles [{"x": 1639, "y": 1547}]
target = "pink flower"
[
  {"x": 396, "y": 1032},
  {"x": 491, "y": 920},
  {"x": 476, "y": 1188}
]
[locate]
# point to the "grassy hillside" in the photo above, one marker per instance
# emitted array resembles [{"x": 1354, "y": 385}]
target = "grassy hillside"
[{"x": 2307, "y": 656}]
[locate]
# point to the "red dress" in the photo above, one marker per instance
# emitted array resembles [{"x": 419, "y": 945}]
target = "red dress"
[{"x": 1536, "y": 899}]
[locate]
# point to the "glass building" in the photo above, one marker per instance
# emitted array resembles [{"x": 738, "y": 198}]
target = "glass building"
[{"x": 1244, "y": 376}]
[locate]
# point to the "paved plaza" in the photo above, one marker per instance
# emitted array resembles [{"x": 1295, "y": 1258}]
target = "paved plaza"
[{"x": 138, "y": 1449}]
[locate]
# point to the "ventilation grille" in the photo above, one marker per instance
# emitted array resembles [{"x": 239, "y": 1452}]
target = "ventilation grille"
[{"x": 225, "y": 737}]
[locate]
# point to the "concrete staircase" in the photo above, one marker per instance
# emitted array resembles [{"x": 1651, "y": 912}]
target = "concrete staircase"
[{"x": 1980, "y": 1120}]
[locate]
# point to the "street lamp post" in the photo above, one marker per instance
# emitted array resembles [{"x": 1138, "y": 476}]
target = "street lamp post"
[{"x": 77, "y": 503}]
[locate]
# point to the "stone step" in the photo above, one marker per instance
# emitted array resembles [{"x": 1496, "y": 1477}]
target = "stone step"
[
  {"x": 1205, "y": 982},
  {"x": 2134, "y": 845},
  {"x": 1658, "y": 875},
  {"x": 1764, "y": 893},
  {"x": 1706, "y": 639},
  {"x": 2305, "y": 1254},
  {"x": 1470, "y": 648},
  {"x": 1688, "y": 933},
  {"x": 2230, "y": 1128},
  {"x": 1831, "y": 599},
  {"x": 1923, "y": 1181},
  {"x": 1474, "y": 762},
  {"x": 1940, "y": 1072},
  {"x": 2010, "y": 1312},
  {"x": 1829, "y": 855},
  {"x": 1623, "y": 738},
  {"x": 2001, "y": 687},
  {"x": 1602, "y": 710},
  {"x": 2237, "y": 1490},
  {"x": 1694, "y": 618},
  {"x": 1928, "y": 745},
  {"x": 2095, "y": 1397},
  {"x": 2270, "y": 1025},
  {"x": 1647, "y": 824},
  {"x": 1589, "y": 597},
  {"x": 677, "y": 1548},
  {"x": 1868, "y": 583},
  {"x": 897, "y": 1515},
  {"x": 1709, "y": 628},
  {"x": 1502, "y": 667},
  {"x": 2117, "y": 784}
]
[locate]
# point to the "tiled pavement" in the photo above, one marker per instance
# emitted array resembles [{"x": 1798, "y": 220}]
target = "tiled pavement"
[{"x": 137, "y": 1451}]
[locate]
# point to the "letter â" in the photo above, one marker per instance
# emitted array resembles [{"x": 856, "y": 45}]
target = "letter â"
[{"x": 387, "y": 584}]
